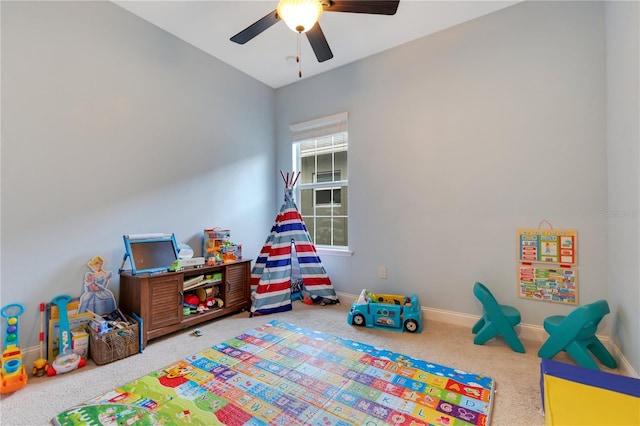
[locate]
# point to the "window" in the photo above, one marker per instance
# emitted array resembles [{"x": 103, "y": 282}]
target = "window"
[
  {"x": 331, "y": 196},
  {"x": 328, "y": 197},
  {"x": 320, "y": 153}
]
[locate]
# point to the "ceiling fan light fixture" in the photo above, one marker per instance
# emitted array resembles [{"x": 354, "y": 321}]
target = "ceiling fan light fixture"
[{"x": 300, "y": 15}]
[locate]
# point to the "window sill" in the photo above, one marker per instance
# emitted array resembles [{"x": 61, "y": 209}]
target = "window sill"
[{"x": 334, "y": 252}]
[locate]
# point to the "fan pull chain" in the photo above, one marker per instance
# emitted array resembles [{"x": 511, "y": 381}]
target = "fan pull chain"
[{"x": 299, "y": 53}]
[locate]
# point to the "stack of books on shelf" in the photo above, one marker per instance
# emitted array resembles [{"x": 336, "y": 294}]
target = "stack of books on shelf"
[{"x": 200, "y": 280}]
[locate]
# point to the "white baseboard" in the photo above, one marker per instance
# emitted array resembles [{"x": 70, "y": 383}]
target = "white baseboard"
[
  {"x": 524, "y": 331},
  {"x": 532, "y": 332}
]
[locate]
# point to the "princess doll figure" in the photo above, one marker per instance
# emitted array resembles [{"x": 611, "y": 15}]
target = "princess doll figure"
[{"x": 97, "y": 298}]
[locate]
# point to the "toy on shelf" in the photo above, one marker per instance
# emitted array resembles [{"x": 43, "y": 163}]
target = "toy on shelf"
[
  {"x": 215, "y": 257},
  {"x": 231, "y": 252},
  {"x": 213, "y": 239},
  {"x": 66, "y": 359},
  {"x": 208, "y": 298},
  {"x": 190, "y": 304},
  {"x": 14, "y": 375},
  {"x": 218, "y": 248},
  {"x": 388, "y": 311},
  {"x": 40, "y": 365}
]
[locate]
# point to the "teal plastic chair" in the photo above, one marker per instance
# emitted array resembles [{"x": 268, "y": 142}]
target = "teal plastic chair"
[
  {"x": 496, "y": 320},
  {"x": 576, "y": 335}
]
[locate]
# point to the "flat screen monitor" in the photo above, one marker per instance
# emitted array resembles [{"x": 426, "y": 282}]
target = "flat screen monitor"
[{"x": 151, "y": 253}]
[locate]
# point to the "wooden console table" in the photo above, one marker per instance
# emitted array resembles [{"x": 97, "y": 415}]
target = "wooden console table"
[{"x": 158, "y": 298}]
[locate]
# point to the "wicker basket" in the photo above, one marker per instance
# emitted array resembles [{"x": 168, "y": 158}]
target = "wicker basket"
[{"x": 114, "y": 345}]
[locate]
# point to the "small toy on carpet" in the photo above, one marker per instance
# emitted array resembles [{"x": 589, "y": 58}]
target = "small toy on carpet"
[{"x": 314, "y": 299}]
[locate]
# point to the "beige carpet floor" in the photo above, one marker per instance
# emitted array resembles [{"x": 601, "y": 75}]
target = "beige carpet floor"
[{"x": 517, "y": 376}]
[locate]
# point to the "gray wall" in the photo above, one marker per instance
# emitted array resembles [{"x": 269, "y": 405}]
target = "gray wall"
[
  {"x": 460, "y": 138},
  {"x": 111, "y": 126},
  {"x": 623, "y": 159}
]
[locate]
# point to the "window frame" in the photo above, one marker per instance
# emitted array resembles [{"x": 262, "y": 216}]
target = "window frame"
[{"x": 313, "y": 130}]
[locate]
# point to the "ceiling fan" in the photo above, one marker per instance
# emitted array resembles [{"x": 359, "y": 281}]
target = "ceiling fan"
[{"x": 302, "y": 17}]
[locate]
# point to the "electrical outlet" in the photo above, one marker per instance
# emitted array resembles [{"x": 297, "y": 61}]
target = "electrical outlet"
[{"x": 382, "y": 272}]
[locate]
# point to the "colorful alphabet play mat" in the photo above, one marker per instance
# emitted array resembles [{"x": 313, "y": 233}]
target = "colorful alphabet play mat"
[{"x": 282, "y": 374}]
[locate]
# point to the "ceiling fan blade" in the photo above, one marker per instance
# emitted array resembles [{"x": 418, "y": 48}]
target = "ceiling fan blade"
[
  {"x": 319, "y": 43},
  {"x": 375, "y": 7},
  {"x": 256, "y": 28}
]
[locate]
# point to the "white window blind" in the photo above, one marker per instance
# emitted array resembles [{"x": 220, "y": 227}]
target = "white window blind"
[{"x": 320, "y": 127}]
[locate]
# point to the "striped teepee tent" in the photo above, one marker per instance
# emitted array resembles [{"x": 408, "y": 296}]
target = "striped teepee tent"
[{"x": 272, "y": 273}]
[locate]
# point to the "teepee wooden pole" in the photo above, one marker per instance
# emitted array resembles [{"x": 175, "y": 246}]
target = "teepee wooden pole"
[
  {"x": 290, "y": 180},
  {"x": 295, "y": 180}
]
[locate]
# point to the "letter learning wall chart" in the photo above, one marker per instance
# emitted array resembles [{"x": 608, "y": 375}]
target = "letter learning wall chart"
[{"x": 546, "y": 268}]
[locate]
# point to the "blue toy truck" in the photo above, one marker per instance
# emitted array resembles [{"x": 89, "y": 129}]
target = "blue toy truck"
[{"x": 386, "y": 311}]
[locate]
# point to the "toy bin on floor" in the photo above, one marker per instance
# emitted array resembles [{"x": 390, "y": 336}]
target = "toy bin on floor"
[{"x": 114, "y": 344}]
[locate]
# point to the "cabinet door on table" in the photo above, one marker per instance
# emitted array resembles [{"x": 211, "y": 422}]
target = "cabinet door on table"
[
  {"x": 236, "y": 285},
  {"x": 165, "y": 295}
]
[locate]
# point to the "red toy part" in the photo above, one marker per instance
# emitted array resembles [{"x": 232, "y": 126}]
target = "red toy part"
[{"x": 191, "y": 299}]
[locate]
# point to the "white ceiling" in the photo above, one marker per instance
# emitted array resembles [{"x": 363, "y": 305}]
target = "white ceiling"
[{"x": 269, "y": 57}]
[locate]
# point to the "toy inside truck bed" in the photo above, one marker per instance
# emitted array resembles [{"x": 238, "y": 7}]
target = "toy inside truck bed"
[{"x": 386, "y": 311}]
